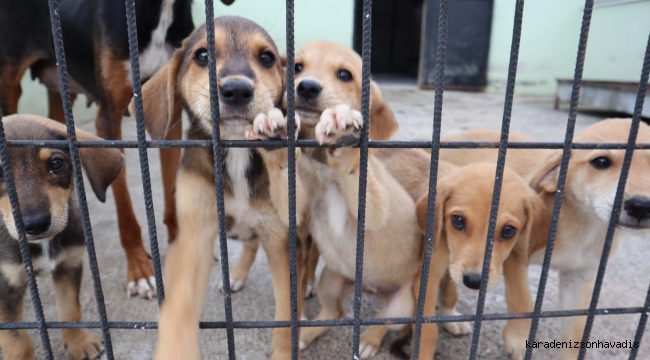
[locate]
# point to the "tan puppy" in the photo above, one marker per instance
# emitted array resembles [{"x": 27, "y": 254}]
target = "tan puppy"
[
  {"x": 589, "y": 194},
  {"x": 462, "y": 213},
  {"x": 251, "y": 82},
  {"x": 327, "y": 75}
]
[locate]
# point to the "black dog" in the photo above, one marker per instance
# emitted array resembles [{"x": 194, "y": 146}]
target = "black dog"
[{"x": 50, "y": 212}]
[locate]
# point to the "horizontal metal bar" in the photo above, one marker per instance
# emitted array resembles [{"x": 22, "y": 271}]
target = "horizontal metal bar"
[
  {"x": 313, "y": 323},
  {"x": 392, "y": 144}
]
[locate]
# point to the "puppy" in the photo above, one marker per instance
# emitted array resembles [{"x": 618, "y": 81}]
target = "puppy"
[
  {"x": 48, "y": 202},
  {"x": 250, "y": 82},
  {"x": 327, "y": 75},
  {"x": 589, "y": 193},
  {"x": 462, "y": 214}
]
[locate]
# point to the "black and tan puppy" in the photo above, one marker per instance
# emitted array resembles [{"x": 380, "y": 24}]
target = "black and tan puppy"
[
  {"x": 251, "y": 82},
  {"x": 50, "y": 212}
]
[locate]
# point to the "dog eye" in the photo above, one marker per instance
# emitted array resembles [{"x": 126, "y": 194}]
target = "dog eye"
[
  {"x": 56, "y": 165},
  {"x": 344, "y": 75},
  {"x": 508, "y": 232},
  {"x": 458, "y": 222},
  {"x": 601, "y": 162},
  {"x": 201, "y": 56},
  {"x": 298, "y": 68},
  {"x": 267, "y": 58}
]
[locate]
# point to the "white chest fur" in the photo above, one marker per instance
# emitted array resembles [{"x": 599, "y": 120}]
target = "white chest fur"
[
  {"x": 238, "y": 203},
  {"x": 43, "y": 265}
]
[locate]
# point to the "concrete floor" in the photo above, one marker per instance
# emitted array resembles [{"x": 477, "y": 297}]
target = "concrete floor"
[{"x": 626, "y": 282}]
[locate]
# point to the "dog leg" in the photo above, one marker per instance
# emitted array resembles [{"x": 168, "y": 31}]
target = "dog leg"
[
  {"x": 277, "y": 252},
  {"x": 332, "y": 289},
  {"x": 310, "y": 272},
  {"x": 515, "y": 334},
  {"x": 437, "y": 270},
  {"x": 239, "y": 274},
  {"x": 55, "y": 104},
  {"x": 398, "y": 304},
  {"x": 187, "y": 269},
  {"x": 575, "y": 293},
  {"x": 169, "y": 161},
  {"x": 447, "y": 307},
  {"x": 10, "y": 90},
  {"x": 140, "y": 269},
  {"x": 79, "y": 343},
  {"x": 15, "y": 344}
]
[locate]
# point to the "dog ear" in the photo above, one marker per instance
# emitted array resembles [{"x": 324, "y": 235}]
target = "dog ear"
[
  {"x": 160, "y": 102},
  {"x": 546, "y": 178},
  {"x": 102, "y": 165},
  {"x": 382, "y": 121},
  {"x": 421, "y": 211},
  {"x": 538, "y": 221}
]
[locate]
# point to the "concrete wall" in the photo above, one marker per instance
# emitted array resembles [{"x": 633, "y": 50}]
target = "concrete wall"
[{"x": 551, "y": 28}]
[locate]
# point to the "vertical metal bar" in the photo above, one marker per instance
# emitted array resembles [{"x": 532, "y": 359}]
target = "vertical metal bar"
[
  {"x": 22, "y": 242},
  {"x": 363, "y": 169},
  {"x": 564, "y": 166},
  {"x": 441, "y": 54},
  {"x": 142, "y": 146},
  {"x": 291, "y": 153},
  {"x": 498, "y": 181},
  {"x": 78, "y": 175},
  {"x": 218, "y": 176},
  {"x": 618, "y": 199}
]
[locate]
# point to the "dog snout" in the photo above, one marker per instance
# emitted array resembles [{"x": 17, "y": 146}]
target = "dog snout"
[
  {"x": 37, "y": 224},
  {"x": 236, "y": 92},
  {"x": 472, "y": 280},
  {"x": 638, "y": 208},
  {"x": 309, "y": 89}
]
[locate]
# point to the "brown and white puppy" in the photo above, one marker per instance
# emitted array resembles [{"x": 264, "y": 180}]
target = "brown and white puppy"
[
  {"x": 462, "y": 213},
  {"x": 251, "y": 82},
  {"x": 589, "y": 193},
  {"x": 48, "y": 203}
]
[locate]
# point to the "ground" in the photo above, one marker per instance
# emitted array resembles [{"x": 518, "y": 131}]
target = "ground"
[{"x": 626, "y": 282}]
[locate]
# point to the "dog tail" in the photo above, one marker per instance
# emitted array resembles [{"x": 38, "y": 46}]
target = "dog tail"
[{"x": 402, "y": 339}]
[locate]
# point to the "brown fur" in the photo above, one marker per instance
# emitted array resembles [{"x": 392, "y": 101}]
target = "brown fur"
[
  {"x": 468, "y": 193},
  {"x": 183, "y": 84}
]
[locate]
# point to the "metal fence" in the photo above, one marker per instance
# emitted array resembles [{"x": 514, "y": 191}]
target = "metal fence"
[{"x": 435, "y": 145}]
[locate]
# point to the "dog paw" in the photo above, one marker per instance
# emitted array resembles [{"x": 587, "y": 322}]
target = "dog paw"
[
  {"x": 366, "y": 351},
  {"x": 338, "y": 122},
  {"x": 144, "y": 288},
  {"x": 83, "y": 345},
  {"x": 454, "y": 328},
  {"x": 272, "y": 125},
  {"x": 514, "y": 342},
  {"x": 235, "y": 285}
]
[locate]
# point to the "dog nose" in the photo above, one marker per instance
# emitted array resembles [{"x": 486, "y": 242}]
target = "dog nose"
[
  {"x": 236, "y": 92},
  {"x": 36, "y": 225},
  {"x": 638, "y": 208},
  {"x": 309, "y": 89},
  {"x": 472, "y": 281}
]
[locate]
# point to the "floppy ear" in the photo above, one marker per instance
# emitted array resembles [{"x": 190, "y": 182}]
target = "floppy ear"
[
  {"x": 421, "y": 212},
  {"x": 160, "y": 102},
  {"x": 102, "y": 165},
  {"x": 538, "y": 221},
  {"x": 382, "y": 121},
  {"x": 546, "y": 178}
]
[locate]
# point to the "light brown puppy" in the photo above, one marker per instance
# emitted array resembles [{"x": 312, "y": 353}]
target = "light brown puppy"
[
  {"x": 251, "y": 82},
  {"x": 462, "y": 214},
  {"x": 327, "y": 75},
  {"x": 588, "y": 197}
]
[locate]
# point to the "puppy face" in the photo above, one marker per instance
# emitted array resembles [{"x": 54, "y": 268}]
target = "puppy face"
[
  {"x": 249, "y": 72},
  {"x": 329, "y": 74},
  {"x": 43, "y": 177},
  {"x": 462, "y": 219},
  {"x": 593, "y": 175}
]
